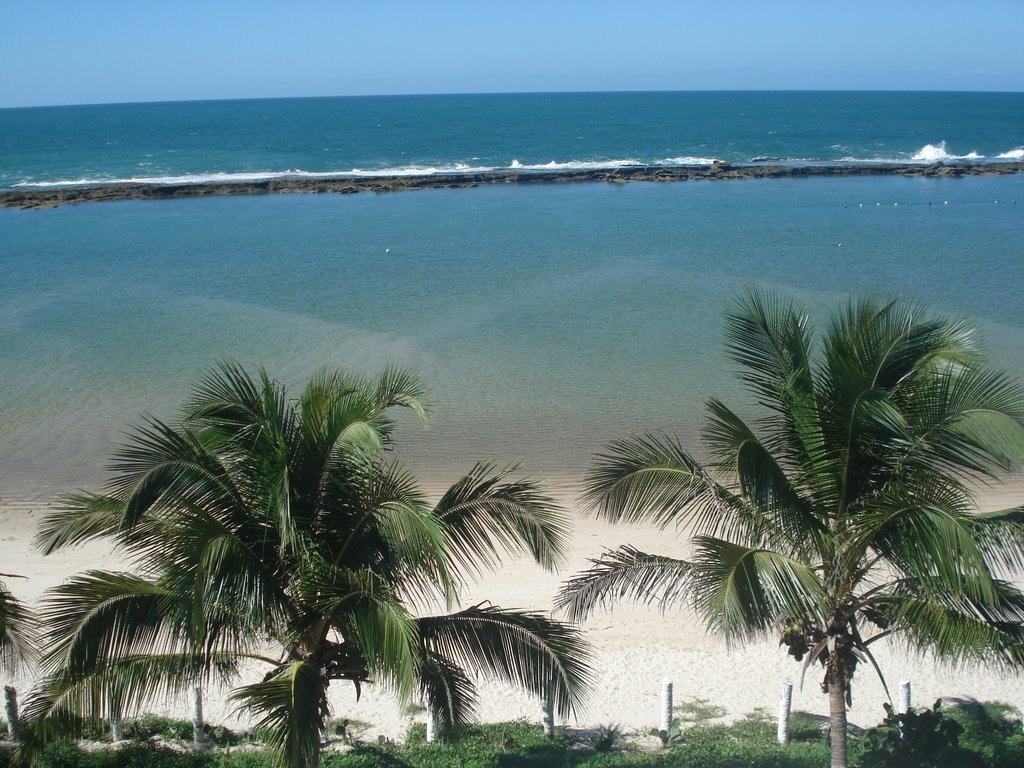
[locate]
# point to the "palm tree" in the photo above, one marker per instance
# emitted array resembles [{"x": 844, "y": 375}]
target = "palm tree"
[
  {"x": 843, "y": 513},
  {"x": 278, "y": 531}
]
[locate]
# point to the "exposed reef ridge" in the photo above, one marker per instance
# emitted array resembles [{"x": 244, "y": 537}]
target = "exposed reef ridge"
[{"x": 342, "y": 184}]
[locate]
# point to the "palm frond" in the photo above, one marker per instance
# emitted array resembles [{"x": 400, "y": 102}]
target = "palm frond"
[
  {"x": 959, "y": 630},
  {"x": 971, "y": 422},
  {"x": 381, "y": 626},
  {"x": 745, "y": 592},
  {"x": 447, "y": 689},
  {"x": 523, "y": 648},
  {"x": 398, "y": 386},
  {"x": 784, "y": 516},
  {"x": 19, "y": 632},
  {"x": 770, "y": 338},
  {"x": 77, "y": 519},
  {"x": 932, "y": 543},
  {"x": 624, "y": 573},
  {"x": 227, "y": 399},
  {"x": 1000, "y": 535},
  {"x": 652, "y": 479},
  {"x": 292, "y": 705},
  {"x": 482, "y": 514},
  {"x": 159, "y": 464}
]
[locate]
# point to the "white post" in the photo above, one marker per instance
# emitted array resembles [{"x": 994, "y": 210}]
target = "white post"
[
  {"x": 116, "y": 729},
  {"x": 431, "y": 723},
  {"x": 666, "y": 708},
  {"x": 904, "y": 697},
  {"x": 547, "y": 714},
  {"x": 11, "y": 709},
  {"x": 782, "y": 735},
  {"x": 198, "y": 729}
]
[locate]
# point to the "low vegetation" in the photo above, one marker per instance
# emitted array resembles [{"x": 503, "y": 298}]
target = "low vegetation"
[{"x": 985, "y": 735}]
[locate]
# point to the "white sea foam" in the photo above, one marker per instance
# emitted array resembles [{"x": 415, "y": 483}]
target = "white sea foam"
[
  {"x": 686, "y": 160},
  {"x": 417, "y": 170},
  {"x": 574, "y": 165},
  {"x": 1013, "y": 154},
  {"x": 929, "y": 153},
  {"x": 599, "y": 165},
  {"x": 933, "y": 153},
  {"x": 251, "y": 176}
]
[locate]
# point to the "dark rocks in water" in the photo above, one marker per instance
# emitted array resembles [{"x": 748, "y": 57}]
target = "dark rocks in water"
[{"x": 45, "y": 198}]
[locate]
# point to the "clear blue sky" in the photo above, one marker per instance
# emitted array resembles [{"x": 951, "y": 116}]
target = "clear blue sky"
[{"x": 73, "y": 52}]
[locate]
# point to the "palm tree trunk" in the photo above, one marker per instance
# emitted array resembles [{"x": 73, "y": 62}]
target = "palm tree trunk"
[{"x": 837, "y": 723}]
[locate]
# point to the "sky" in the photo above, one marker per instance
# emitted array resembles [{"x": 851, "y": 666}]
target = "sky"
[{"x": 108, "y": 51}]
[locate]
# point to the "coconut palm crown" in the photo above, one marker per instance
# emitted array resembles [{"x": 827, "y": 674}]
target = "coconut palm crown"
[
  {"x": 266, "y": 530},
  {"x": 845, "y": 512}
]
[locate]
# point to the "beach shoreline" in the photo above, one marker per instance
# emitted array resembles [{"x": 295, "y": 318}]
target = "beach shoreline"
[
  {"x": 634, "y": 646},
  {"x": 49, "y": 197}
]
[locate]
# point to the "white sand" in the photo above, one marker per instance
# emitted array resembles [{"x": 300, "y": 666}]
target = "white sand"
[{"x": 634, "y": 647}]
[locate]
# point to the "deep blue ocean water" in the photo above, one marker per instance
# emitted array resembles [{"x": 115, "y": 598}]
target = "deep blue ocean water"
[
  {"x": 546, "y": 320},
  {"x": 423, "y": 134}
]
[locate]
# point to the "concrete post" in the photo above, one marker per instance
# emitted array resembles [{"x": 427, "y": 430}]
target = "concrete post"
[
  {"x": 666, "y": 708},
  {"x": 547, "y": 714},
  {"x": 432, "y": 729},
  {"x": 904, "y": 697},
  {"x": 116, "y": 726},
  {"x": 785, "y": 703}
]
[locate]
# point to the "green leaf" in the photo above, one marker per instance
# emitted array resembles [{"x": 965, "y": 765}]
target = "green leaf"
[
  {"x": 292, "y": 706},
  {"x": 483, "y": 515},
  {"x": 625, "y": 573},
  {"x": 520, "y": 647}
]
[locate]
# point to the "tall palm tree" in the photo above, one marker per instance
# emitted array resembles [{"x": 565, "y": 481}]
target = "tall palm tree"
[
  {"x": 844, "y": 512},
  {"x": 276, "y": 530}
]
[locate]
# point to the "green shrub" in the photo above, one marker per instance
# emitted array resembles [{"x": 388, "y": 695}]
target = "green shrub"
[
  {"x": 992, "y": 731},
  {"x": 138, "y": 755},
  {"x": 990, "y": 738},
  {"x": 924, "y": 738},
  {"x": 804, "y": 726}
]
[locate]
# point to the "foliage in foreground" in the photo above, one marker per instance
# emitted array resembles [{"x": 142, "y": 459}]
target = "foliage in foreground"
[
  {"x": 259, "y": 520},
  {"x": 501, "y": 745},
  {"x": 844, "y": 511},
  {"x": 969, "y": 734},
  {"x": 988, "y": 736}
]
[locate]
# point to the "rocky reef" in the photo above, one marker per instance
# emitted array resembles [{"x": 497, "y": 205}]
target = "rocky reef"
[{"x": 342, "y": 184}]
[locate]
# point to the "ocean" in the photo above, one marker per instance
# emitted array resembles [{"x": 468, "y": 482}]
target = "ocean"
[
  {"x": 544, "y": 319},
  {"x": 253, "y": 139}
]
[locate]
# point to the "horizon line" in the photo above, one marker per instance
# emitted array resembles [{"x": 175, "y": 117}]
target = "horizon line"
[{"x": 501, "y": 93}]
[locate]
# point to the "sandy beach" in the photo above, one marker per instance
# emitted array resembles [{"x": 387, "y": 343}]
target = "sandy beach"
[{"x": 634, "y": 646}]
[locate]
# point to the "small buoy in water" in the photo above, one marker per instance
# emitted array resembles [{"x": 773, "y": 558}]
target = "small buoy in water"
[
  {"x": 877, "y": 204},
  {"x": 387, "y": 251},
  {"x": 995, "y": 202},
  {"x": 895, "y": 203},
  {"x": 861, "y": 205},
  {"x": 945, "y": 202},
  {"x": 839, "y": 245}
]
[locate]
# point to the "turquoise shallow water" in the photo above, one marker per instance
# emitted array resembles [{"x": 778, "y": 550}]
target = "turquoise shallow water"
[{"x": 545, "y": 320}]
